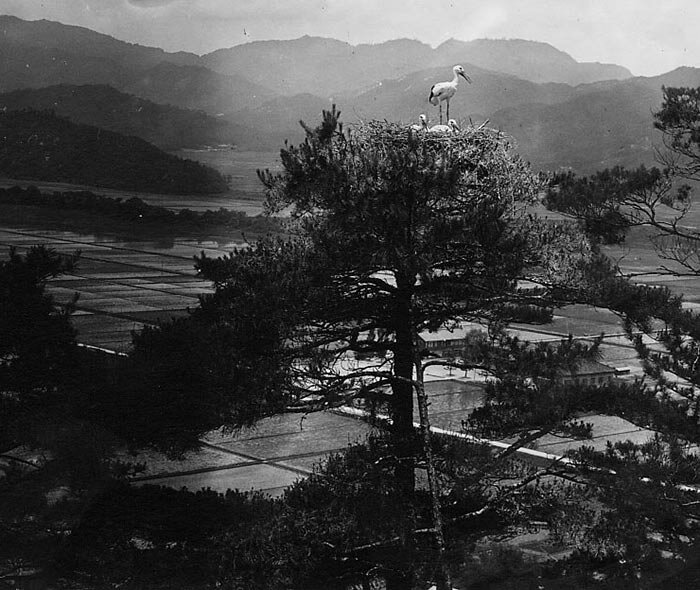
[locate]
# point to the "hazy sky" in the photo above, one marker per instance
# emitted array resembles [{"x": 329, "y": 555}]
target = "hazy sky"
[{"x": 648, "y": 37}]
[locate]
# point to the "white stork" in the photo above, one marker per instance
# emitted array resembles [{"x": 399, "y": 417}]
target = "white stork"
[
  {"x": 446, "y": 90},
  {"x": 423, "y": 126},
  {"x": 451, "y": 127}
]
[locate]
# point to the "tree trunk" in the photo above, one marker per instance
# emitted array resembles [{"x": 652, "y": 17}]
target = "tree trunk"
[
  {"x": 402, "y": 390},
  {"x": 442, "y": 574},
  {"x": 404, "y": 437},
  {"x": 402, "y": 393}
]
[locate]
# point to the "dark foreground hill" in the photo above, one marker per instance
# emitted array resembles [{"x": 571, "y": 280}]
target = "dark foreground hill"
[
  {"x": 39, "y": 145},
  {"x": 166, "y": 126}
]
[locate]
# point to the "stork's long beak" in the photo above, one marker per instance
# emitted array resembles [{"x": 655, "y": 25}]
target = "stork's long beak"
[{"x": 467, "y": 78}]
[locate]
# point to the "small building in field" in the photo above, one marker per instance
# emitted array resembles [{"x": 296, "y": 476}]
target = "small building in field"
[
  {"x": 587, "y": 372},
  {"x": 449, "y": 342},
  {"x": 455, "y": 342}
]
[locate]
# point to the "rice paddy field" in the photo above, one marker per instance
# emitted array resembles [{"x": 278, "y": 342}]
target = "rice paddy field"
[
  {"x": 638, "y": 257},
  {"x": 121, "y": 285}
]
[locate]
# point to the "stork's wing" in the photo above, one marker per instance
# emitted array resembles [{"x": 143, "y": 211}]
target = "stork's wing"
[{"x": 430, "y": 98}]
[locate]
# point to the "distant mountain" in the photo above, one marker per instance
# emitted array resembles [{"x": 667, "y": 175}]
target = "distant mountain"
[
  {"x": 277, "y": 120},
  {"x": 38, "y": 145},
  {"x": 683, "y": 76},
  {"x": 79, "y": 41},
  {"x": 35, "y": 54},
  {"x": 328, "y": 67},
  {"x": 400, "y": 100},
  {"x": 42, "y": 53},
  {"x": 586, "y": 128},
  {"x": 167, "y": 127},
  {"x": 314, "y": 65},
  {"x": 195, "y": 87},
  {"x": 589, "y": 132},
  {"x": 320, "y": 66},
  {"x": 530, "y": 60},
  {"x": 604, "y": 124},
  {"x": 35, "y": 67}
]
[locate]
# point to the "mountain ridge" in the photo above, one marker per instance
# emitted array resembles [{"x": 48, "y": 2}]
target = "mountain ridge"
[
  {"x": 45, "y": 33},
  {"x": 319, "y": 58}
]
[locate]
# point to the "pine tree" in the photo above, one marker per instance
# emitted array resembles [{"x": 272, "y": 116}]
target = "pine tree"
[{"x": 393, "y": 233}]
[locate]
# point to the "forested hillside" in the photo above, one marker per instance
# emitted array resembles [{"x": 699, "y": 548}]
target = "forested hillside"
[{"x": 39, "y": 145}]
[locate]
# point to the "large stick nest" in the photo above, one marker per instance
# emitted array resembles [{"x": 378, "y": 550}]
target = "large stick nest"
[{"x": 395, "y": 135}]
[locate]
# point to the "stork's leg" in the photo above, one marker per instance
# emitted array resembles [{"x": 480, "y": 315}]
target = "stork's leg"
[
  {"x": 440, "y": 105},
  {"x": 448, "y": 110}
]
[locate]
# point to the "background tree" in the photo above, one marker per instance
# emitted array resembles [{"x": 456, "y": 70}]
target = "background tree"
[
  {"x": 38, "y": 347},
  {"x": 195, "y": 374},
  {"x": 62, "y": 416},
  {"x": 38, "y": 371},
  {"x": 678, "y": 120}
]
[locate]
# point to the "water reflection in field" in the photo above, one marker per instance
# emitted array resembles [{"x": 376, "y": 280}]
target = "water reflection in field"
[
  {"x": 246, "y": 193},
  {"x": 122, "y": 284}
]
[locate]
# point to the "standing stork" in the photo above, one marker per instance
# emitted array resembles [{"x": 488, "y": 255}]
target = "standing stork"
[
  {"x": 446, "y": 90},
  {"x": 423, "y": 126}
]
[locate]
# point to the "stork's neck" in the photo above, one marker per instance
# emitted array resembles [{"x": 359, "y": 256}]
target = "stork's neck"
[{"x": 455, "y": 79}]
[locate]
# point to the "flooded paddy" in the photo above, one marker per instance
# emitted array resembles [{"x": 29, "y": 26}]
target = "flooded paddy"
[
  {"x": 121, "y": 285},
  {"x": 268, "y": 457}
]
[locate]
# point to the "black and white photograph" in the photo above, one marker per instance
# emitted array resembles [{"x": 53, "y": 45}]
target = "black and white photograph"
[{"x": 349, "y": 295}]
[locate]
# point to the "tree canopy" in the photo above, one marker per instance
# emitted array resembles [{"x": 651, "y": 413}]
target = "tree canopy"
[{"x": 38, "y": 343}]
